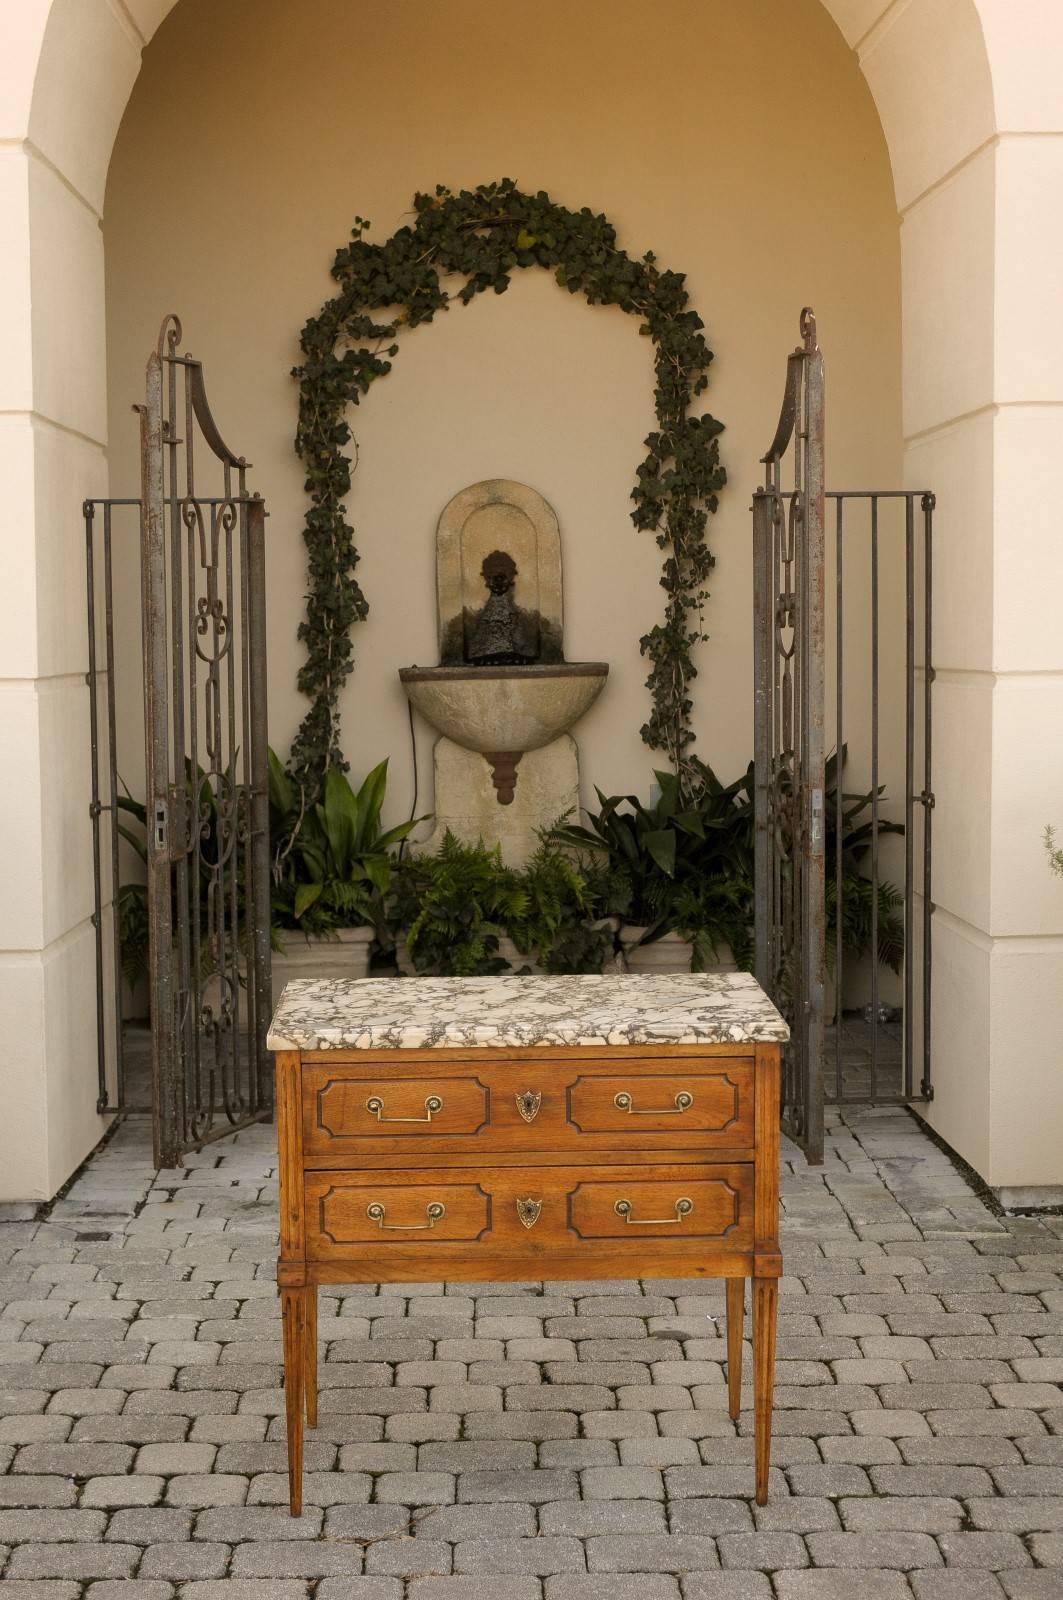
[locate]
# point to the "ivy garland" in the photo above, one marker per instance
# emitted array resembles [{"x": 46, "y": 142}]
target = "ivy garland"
[{"x": 481, "y": 236}]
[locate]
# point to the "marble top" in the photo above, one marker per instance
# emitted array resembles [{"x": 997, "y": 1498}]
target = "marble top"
[{"x": 509, "y": 1012}]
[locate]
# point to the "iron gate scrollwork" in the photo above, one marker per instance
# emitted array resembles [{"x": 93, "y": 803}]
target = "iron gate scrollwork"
[
  {"x": 202, "y": 571},
  {"x": 788, "y": 579}
]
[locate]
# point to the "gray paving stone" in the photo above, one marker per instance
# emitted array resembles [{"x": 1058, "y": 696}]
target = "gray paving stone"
[
  {"x": 583, "y": 1518},
  {"x": 25, "y": 1527},
  {"x": 128, "y": 1589},
  {"x": 150, "y": 1525},
  {"x": 185, "y": 1562},
  {"x": 123, "y": 1489},
  {"x": 911, "y": 1514},
  {"x": 360, "y": 1589},
  {"x": 652, "y": 1553},
  {"x": 83, "y": 1561},
  {"x": 41, "y": 1589},
  {"x": 735, "y": 1585},
  {"x": 498, "y": 1520},
  {"x": 528, "y": 1487},
  {"x": 408, "y": 1558},
  {"x": 712, "y": 1517},
  {"x": 538, "y": 1557},
  {"x": 591, "y": 1586},
  {"x": 773, "y": 1551},
  {"x": 296, "y": 1558},
  {"x": 247, "y": 1589},
  {"x": 964, "y": 1585},
  {"x": 994, "y": 1552},
  {"x": 1018, "y": 1514},
  {"x": 466, "y": 1588},
  {"x": 29, "y": 1489},
  {"x": 840, "y": 1585},
  {"x": 899, "y": 1551},
  {"x": 234, "y": 1524}
]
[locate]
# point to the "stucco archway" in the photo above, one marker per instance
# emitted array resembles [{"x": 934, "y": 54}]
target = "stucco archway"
[{"x": 972, "y": 111}]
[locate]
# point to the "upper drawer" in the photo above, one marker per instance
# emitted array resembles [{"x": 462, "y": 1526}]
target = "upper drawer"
[
  {"x": 614, "y": 1102},
  {"x": 704, "y": 1100}
]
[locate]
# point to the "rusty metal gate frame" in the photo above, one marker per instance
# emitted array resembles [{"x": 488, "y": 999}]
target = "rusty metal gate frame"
[
  {"x": 202, "y": 569},
  {"x": 791, "y": 822}
]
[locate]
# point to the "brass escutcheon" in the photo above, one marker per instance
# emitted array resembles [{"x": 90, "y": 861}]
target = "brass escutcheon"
[
  {"x": 528, "y": 1210},
  {"x": 528, "y": 1104}
]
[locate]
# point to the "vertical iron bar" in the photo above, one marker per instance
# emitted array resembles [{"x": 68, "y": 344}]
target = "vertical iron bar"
[
  {"x": 839, "y": 769},
  {"x": 112, "y": 775},
  {"x": 184, "y": 823},
  {"x": 928, "y": 504},
  {"x": 813, "y": 774},
  {"x": 95, "y": 808},
  {"x": 228, "y": 784},
  {"x": 166, "y": 1123},
  {"x": 909, "y": 783},
  {"x": 874, "y": 795},
  {"x": 259, "y": 945},
  {"x": 763, "y": 610}
]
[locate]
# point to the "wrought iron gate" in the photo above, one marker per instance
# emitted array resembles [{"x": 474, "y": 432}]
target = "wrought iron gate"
[
  {"x": 810, "y": 847},
  {"x": 202, "y": 572},
  {"x": 788, "y": 672}
]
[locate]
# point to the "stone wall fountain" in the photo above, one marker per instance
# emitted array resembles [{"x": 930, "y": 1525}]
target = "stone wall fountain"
[{"x": 503, "y": 696}]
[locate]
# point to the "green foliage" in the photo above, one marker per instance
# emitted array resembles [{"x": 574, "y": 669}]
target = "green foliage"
[
  {"x": 482, "y": 236},
  {"x": 688, "y": 863},
  {"x": 453, "y": 907},
  {"x": 1053, "y": 851},
  {"x": 687, "y": 859},
  {"x": 564, "y": 923},
  {"x": 332, "y": 860}
]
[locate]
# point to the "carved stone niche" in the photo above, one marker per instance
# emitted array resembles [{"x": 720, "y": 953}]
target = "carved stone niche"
[{"x": 498, "y": 514}]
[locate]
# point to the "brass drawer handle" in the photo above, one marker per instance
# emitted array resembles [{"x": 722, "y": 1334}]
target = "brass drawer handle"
[
  {"x": 375, "y": 1106},
  {"x": 683, "y": 1208},
  {"x": 683, "y": 1102},
  {"x": 435, "y": 1212}
]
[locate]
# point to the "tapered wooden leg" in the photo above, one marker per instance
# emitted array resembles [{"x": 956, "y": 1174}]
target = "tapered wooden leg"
[
  {"x": 736, "y": 1291},
  {"x": 765, "y": 1312},
  {"x": 310, "y": 1352},
  {"x": 292, "y": 1302}
]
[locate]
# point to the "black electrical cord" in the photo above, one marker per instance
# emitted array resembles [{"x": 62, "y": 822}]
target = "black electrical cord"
[{"x": 416, "y": 777}]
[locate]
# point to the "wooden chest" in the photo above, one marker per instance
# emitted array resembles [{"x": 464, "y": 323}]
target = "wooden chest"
[{"x": 448, "y": 1158}]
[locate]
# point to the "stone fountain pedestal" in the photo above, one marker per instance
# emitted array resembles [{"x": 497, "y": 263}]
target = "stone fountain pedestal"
[
  {"x": 467, "y": 804},
  {"x": 503, "y": 697}
]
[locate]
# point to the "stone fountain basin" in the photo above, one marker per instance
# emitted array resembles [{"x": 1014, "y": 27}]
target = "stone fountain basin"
[{"x": 496, "y": 709}]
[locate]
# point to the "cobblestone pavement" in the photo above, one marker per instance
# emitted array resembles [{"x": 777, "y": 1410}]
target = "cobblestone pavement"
[{"x": 502, "y": 1443}]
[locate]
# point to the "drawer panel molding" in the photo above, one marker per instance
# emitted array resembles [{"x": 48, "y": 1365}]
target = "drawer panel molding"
[
  {"x": 366, "y": 1108},
  {"x": 360, "y": 1213},
  {"x": 711, "y": 1104}
]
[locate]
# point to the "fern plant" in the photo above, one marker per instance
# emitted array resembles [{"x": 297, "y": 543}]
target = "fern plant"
[{"x": 454, "y": 906}]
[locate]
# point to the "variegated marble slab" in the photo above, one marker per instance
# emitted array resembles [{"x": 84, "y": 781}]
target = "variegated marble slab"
[{"x": 512, "y": 1012}]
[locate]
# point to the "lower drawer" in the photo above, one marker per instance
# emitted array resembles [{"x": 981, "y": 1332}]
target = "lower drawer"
[{"x": 528, "y": 1209}]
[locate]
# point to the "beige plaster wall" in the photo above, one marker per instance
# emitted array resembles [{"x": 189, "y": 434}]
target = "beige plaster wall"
[{"x": 740, "y": 143}]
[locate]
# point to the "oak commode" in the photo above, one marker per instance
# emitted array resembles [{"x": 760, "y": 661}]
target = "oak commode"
[{"x": 514, "y": 1129}]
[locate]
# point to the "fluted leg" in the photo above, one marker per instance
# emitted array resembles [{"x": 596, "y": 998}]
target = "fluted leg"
[
  {"x": 736, "y": 1290},
  {"x": 292, "y": 1303},
  {"x": 310, "y": 1352},
  {"x": 765, "y": 1311}
]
